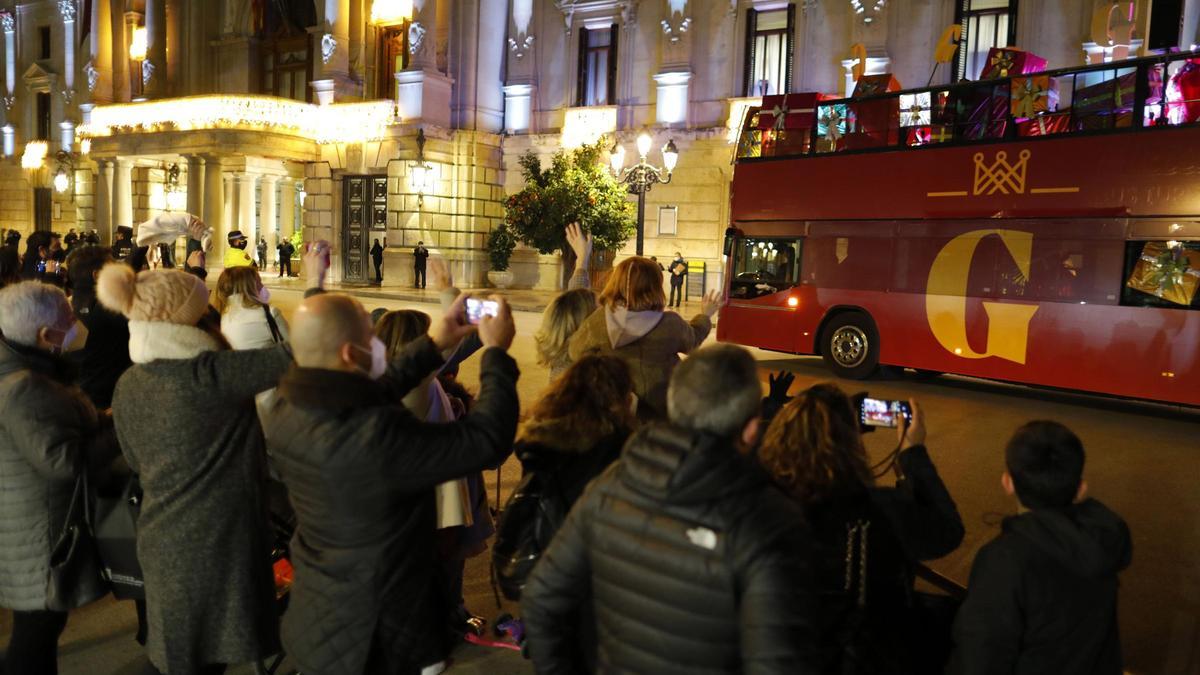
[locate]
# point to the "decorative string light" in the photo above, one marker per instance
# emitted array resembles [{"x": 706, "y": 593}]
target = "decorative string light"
[
  {"x": 868, "y": 9},
  {"x": 335, "y": 123}
]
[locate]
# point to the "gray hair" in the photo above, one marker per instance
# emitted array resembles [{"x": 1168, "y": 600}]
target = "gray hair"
[
  {"x": 26, "y": 308},
  {"x": 716, "y": 389}
]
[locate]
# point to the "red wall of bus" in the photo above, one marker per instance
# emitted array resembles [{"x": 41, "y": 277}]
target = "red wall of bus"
[{"x": 1099, "y": 346}]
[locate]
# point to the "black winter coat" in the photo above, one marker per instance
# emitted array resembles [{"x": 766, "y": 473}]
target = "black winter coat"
[
  {"x": 693, "y": 562},
  {"x": 897, "y": 526},
  {"x": 105, "y": 355},
  {"x": 360, "y": 472},
  {"x": 1043, "y": 596}
]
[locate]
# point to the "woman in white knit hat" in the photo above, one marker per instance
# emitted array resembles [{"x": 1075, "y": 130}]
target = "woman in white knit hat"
[{"x": 186, "y": 422}]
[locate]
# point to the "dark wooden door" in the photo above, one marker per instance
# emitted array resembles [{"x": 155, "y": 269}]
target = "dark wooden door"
[{"x": 364, "y": 219}]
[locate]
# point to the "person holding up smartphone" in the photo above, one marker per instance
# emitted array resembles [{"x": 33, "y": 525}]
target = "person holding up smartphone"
[{"x": 868, "y": 537}]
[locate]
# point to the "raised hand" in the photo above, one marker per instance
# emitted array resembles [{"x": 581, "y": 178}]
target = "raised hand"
[
  {"x": 450, "y": 329},
  {"x": 580, "y": 242},
  {"x": 316, "y": 263},
  {"x": 711, "y": 303},
  {"x": 499, "y": 330},
  {"x": 911, "y": 433}
]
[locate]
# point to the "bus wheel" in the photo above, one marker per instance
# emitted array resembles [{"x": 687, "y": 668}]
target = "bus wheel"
[{"x": 851, "y": 346}]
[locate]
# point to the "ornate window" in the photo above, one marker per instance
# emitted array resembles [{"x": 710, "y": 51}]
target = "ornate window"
[
  {"x": 769, "y": 44},
  {"x": 597, "y": 66},
  {"x": 286, "y": 68},
  {"x": 391, "y": 57},
  {"x": 42, "y": 111},
  {"x": 985, "y": 24}
]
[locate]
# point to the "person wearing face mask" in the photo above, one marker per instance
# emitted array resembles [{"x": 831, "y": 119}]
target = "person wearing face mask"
[
  {"x": 49, "y": 433},
  {"x": 185, "y": 417},
  {"x": 248, "y": 320},
  {"x": 361, "y": 471}
]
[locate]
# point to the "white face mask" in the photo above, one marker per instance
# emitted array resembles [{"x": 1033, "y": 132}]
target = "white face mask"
[
  {"x": 74, "y": 338},
  {"x": 264, "y": 295},
  {"x": 378, "y": 359}
]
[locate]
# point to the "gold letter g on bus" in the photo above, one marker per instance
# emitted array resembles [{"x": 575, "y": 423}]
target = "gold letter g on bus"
[{"x": 946, "y": 298}]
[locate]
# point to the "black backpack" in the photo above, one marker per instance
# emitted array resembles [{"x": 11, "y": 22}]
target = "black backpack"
[{"x": 528, "y": 522}]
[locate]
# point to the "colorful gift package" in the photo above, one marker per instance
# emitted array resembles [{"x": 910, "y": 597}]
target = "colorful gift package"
[
  {"x": 1010, "y": 61},
  {"x": 1171, "y": 273}
]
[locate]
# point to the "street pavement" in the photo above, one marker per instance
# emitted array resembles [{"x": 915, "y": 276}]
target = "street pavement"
[{"x": 1143, "y": 461}]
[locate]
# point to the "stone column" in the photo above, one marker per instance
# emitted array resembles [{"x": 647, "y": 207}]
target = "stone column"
[
  {"x": 287, "y": 207},
  {"x": 98, "y": 69},
  {"x": 332, "y": 37},
  {"x": 423, "y": 93},
  {"x": 104, "y": 207},
  {"x": 229, "y": 206},
  {"x": 120, "y": 53},
  {"x": 267, "y": 229},
  {"x": 195, "y": 186},
  {"x": 8, "y": 22},
  {"x": 67, "y": 9},
  {"x": 122, "y": 194},
  {"x": 245, "y": 207},
  {"x": 156, "y": 48},
  {"x": 214, "y": 203}
]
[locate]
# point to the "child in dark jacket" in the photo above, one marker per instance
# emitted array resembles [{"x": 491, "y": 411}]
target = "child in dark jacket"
[{"x": 1042, "y": 597}]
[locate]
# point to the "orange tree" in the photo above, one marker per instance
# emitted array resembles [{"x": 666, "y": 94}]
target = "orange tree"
[{"x": 576, "y": 187}]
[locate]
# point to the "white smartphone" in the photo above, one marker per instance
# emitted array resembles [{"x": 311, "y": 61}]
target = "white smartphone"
[{"x": 477, "y": 309}]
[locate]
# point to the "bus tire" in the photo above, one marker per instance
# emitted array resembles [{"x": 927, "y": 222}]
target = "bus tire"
[{"x": 850, "y": 346}]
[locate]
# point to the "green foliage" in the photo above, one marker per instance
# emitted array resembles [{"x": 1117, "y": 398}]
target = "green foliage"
[
  {"x": 500, "y": 245},
  {"x": 297, "y": 242},
  {"x": 576, "y": 187}
]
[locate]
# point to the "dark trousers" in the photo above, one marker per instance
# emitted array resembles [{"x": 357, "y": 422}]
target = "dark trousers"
[
  {"x": 285, "y": 267},
  {"x": 419, "y": 276},
  {"x": 33, "y": 649},
  {"x": 676, "y": 295},
  {"x": 379, "y": 270}
]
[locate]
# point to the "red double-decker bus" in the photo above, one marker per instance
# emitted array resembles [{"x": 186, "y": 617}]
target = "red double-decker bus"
[{"x": 960, "y": 229}]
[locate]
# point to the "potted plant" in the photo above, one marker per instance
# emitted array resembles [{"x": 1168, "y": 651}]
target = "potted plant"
[
  {"x": 500, "y": 245},
  {"x": 576, "y": 188}
]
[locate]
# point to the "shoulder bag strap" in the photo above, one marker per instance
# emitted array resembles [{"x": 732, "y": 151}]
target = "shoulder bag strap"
[{"x": 275, "y": 334}]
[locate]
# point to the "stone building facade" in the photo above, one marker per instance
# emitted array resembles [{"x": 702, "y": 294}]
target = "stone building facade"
[{"x": 357, "y": 120}]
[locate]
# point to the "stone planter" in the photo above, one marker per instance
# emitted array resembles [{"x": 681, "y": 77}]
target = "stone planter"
[{"x": 500, "y": 280}]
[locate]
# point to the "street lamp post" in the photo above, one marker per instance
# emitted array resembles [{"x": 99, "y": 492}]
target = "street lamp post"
[{"x": 642, "y": 176}]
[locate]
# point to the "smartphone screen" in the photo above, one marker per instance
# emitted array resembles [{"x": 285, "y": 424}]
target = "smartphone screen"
[
  {"x": 477, "y": 309},
  {"x": 879, "y": 413}
]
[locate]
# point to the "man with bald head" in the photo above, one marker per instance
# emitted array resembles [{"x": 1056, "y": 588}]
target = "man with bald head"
[{"x": 361, "y": 470}]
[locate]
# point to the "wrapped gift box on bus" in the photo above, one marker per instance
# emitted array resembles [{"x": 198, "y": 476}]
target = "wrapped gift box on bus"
[
  {"x": 1170, "y": 273},
  {"x": 1045, "y": 125},
  {"x": 876, "y": 122},
  {"x": 930, "y": 134},
  {"x": 1183, "y": 94},
  {"x": 1033, "y": 94},
  {"x": 791, "y": 111},
  {"x": 831, "y": 127},
  {"x": 1010, "y": 61},
  {"x": 873, "y": 85},
  {"x": 982, "y": 111}
]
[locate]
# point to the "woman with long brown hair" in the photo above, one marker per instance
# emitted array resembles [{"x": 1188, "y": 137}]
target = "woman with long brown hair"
[
  {"x": 248, "y": 320},
  {"x": 632, "y": 325},
  {"x": 868, "y": 538},
  {"x": 571, "y": 435}
]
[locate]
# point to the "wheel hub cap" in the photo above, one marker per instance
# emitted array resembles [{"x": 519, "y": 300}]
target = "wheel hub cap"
[{"x": 849, "y": 346}]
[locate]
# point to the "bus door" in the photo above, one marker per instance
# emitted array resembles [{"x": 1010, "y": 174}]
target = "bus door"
[{"x": 760, "y": 308}]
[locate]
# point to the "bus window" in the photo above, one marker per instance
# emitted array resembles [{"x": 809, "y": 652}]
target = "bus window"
[
  {"x": 1062, "y": 271},
  {"x": 1162, "y": 274},
  {"x": 764, "y": 266}
]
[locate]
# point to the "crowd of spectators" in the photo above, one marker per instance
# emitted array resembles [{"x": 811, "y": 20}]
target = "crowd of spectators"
[{"x": 669, "y": 519}]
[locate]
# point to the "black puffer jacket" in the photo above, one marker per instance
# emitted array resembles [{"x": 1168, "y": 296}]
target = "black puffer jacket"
[
  {"x": 694, "y": 564},
  {"x": 1043, "y": 596},
  {"x": 360, "y": 471}
]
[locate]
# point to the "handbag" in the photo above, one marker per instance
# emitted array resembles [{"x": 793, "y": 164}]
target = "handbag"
[
  {"x": 276, "y": 336},
  {"x": 116, "y": 538},
  {"x": 75, "y": 578}
]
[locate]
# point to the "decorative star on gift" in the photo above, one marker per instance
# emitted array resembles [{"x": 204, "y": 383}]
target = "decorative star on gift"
[
  {"x": 916, "y": 109},
  {"x": 1003, "y": 61}
]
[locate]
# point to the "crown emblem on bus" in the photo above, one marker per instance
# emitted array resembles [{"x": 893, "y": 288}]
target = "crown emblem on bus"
[{"x": 1000, "y": 176}]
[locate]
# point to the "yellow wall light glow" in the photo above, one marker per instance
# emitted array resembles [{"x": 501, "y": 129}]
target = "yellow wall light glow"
[
  {"x": 35, "y": 154},
  {"x": 137, "y": 44},
  {"x": 390, "y": 12}
]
